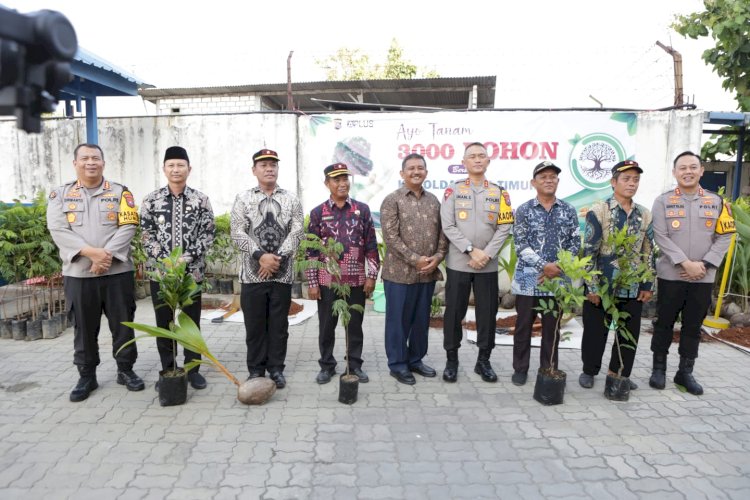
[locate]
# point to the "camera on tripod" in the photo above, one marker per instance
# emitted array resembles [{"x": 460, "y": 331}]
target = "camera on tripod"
[{"x": 35, "y": 54}]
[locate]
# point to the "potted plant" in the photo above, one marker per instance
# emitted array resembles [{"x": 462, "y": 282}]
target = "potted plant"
[
  {"x": 177, "y": 288},
  {"x": 223, "y": 254},
  {"x": 631, "y": 270},
  {"x": 567, "y": 290},
  {"x": 330, "y": 250}
]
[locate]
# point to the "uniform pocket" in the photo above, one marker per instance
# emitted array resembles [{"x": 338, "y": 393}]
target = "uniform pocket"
[
  {"x": 108, "y": 215},
  {"x": 74, "y": 213}
]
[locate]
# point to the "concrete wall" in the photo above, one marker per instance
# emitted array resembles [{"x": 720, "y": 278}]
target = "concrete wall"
[{"x": 220, "y": 149}]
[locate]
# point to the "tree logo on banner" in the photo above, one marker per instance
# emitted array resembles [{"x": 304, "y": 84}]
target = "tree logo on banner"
[{"x": 592, "y": 159}]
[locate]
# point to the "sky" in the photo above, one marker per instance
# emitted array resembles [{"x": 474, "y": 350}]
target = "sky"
[{"x": 545, "y": 54}]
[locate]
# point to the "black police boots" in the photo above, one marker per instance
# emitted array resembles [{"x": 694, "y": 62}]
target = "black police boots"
[
  {"x": 85, "y": 386},
  {"x": 658, "y": 378},
  {"x": 483, "y": 366},
  {"x": 450, "y": 374},
  {"x": 684, "y": 380}
]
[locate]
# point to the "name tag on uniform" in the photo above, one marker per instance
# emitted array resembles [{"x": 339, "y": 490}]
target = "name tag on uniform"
[{"x": 326, "y": 218}]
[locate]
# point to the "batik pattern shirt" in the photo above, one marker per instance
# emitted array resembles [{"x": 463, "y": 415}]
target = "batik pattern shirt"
[
  {"x": 539, "y": 235},
  {"x": 605, "y": 218},
  {"x": 263, "y": 223},
  {"x": 185, "y": 220},
  {"x": 352, "y": 226},
  {"x": 411, "y": 229}
]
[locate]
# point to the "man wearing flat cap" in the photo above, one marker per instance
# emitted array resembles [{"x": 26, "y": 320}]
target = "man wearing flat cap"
[
  {"x": 350, "y": 223},
  {"x": 267, "y": 226},
  {"x": 603, "y": 219},
  {"x": 177, "y": 215},
  {"x": 544, "y": 225}
]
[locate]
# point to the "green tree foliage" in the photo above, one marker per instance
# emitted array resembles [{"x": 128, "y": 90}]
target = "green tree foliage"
[
  {"x": 352, "y": 64},
  {"x": 728, "y": 23}
]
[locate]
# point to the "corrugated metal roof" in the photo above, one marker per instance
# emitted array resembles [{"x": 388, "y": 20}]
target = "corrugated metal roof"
[
  {"x": 91, "y": 59},
  {"x": 444, "y": 93}
]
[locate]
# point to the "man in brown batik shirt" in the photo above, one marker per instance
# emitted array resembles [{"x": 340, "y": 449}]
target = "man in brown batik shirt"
[{"x": 415, "y": 245}]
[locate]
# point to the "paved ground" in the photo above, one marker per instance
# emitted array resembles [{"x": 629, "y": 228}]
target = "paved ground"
[{"x": 433, "y": 440}]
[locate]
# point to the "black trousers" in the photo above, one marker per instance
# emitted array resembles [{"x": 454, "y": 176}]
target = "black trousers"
[
  {"x": 88, "y": 298},
  {"x": 327, "y": 328},
  {"x": 163, "y": 317},
  {"x": 265, "y": 308},
  {"x": 458, "y": 287},
  {"x": 673, "y": 298},
  {"x": 595, "y": 331},
  {"x": 526, "y": 315}
]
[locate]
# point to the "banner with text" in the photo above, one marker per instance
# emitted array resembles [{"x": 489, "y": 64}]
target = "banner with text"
[{"x": 585, "y": 145}]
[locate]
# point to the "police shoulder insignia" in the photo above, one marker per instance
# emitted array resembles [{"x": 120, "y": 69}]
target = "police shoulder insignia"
[
  {"x": 448, "y": 193},
  {"x": 128, "y": 213},
  {"x": 53, "y": 195}
]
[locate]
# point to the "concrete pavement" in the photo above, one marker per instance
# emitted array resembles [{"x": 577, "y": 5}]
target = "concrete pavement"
[{"x": 432, "y": 440}]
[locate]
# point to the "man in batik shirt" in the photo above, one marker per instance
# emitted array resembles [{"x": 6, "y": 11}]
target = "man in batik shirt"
[
  {"x": 177, "y": 216},
  {"x": 544, "y": 225},
  {"x": 603, "y": 219},
  {"x": 349, "y": 222},
  {"x": 267, "y": 226},
  {"x": 415, "y": 246}
]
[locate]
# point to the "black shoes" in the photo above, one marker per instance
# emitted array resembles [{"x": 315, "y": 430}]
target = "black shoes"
[
  {"x": 633, "y": 385},
  {"x": 483, "y": 366},
  {"x": 658, "y": 378},
  {"x": 83, "y": 388},
  {"x": 450, "y": 374},
  {"x": 256, "y": 373},
  {"x": 405, "y": 377},
  {"x": 361, "y": 375},
  {"x": 519, "y": 378},
  {"x": 684, "y": 379},
  {"x": 278, "y": 377},
  {"x": 422, "y": 369},
  {"x": 586, "y": 381},
  {"x": 324, "y": 376},
  {"x": 130, "y": 380},
  {"x": 197, "y": 381}
]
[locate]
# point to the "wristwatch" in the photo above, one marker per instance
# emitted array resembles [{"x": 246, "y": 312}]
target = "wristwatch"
[{"x": 469, "y": 248}]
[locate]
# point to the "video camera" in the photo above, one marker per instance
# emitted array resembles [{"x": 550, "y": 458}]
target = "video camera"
[{"x": 35, "y": 54}]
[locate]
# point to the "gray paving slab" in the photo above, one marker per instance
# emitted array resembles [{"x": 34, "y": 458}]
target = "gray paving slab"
[{"x": 431, "y": 440}]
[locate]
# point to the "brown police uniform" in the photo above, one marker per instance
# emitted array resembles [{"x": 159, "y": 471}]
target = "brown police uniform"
[
  {"x": 103, "y": 217},
  {"x": 696, "y": 227},
  {"x": 480, "y": 216}
]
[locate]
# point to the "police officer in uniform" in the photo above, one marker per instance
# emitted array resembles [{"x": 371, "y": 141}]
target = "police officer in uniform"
[
  {"x": 477, "y": 217},
  {"x": 92, "y": 221},
  {"x": 693, "y": 228}
]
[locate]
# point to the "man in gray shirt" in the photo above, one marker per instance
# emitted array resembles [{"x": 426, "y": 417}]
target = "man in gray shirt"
[
  {"x": 92, "y": 221},
  {"x": 476, "y": 217},
  {"x": 692, "y": 228}
]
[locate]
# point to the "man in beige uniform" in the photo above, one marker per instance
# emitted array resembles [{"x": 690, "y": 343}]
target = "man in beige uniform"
[
  {"x": 693, "y": 228},
  {"x": 92, "y": 221},
  {"x": 476, "y": 217}
]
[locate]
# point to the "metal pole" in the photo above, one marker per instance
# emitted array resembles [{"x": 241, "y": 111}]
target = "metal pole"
[
  {"x": 289, "y": 100},
  {"x": 738, "y": 166},
  {"x": 715, "y": 321}
]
